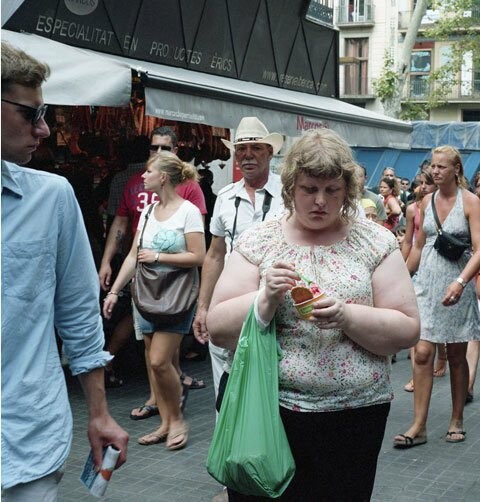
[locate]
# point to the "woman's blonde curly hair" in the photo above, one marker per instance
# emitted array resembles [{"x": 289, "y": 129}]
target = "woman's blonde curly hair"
[{"x": 321, "y": 153}]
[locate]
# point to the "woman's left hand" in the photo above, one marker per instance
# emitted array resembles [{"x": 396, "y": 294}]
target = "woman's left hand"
[
  {"x": 452, "y": 294},
  {"x": 147, "y": 256},
  {"x": 329, "y": 313}
]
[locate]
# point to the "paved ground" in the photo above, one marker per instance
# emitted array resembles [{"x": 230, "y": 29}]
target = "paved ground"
[{"x": 436, "y": 471}]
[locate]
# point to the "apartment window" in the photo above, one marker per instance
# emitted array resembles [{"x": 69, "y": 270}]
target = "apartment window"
[
  {"x": 355, "y": 11},
  {"x": 471, "y": 115},
  {"x": 420, "y": 65},
  {"x": 476, "y": 79},
  {"x": 469, "y": 75},
  {"x": 356, "y": 72}
]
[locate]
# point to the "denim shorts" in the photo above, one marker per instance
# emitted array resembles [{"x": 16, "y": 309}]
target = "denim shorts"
[{"x": 181, "y": 327}]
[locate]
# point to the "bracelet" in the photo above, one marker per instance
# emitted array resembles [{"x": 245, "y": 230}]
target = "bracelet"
[
  {"x": 461, "y": 281},
  {"x": 113, "y": 293}
]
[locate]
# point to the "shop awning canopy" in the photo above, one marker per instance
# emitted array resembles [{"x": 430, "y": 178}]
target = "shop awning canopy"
[
  {"x": 79, "y": 76},
  {"x": 178, "y": 94},
  {"x": 85, "y": 77}
]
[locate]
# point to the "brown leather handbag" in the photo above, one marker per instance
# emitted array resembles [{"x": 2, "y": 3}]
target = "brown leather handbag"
[{"x": 162, "y": 295}]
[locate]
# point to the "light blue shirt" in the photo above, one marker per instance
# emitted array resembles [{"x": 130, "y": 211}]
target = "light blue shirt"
[{"x": 48, "y": 280}]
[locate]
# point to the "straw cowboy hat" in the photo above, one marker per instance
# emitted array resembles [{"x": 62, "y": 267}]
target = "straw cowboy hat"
[{"x": 251, "y": 130}]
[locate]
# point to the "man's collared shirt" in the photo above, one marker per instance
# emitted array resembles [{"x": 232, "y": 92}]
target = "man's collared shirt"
[
  {"x": 223, "y": 217},
  {"x": 48, "y": 281}
]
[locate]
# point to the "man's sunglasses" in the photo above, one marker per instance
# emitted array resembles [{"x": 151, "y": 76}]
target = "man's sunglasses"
[
  {"x": 155, "y": 148},
  {"x": 32, "y": 114}
]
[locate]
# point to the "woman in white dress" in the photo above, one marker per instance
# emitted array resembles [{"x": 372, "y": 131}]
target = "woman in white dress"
[{"x": 445, "y": 292}]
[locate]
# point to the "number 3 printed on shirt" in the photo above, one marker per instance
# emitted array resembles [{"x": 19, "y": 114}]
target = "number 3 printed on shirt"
[{"x": 144, "y": 199}]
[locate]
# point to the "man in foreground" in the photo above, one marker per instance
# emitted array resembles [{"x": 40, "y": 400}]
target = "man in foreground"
[{"x": 48, "y": 281}]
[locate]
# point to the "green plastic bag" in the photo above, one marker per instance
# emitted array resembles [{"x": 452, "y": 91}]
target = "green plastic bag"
[{"x": 249, "y": 452}]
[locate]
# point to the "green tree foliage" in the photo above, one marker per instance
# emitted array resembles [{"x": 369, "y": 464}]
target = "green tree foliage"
[
  {"x": 389, "y": 85},
  {"x": 385, "y": 86},
  {"x": 458, "y": 23}
]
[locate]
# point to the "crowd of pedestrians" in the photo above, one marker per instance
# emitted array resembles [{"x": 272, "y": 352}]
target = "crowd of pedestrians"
[{"x": 385, "y": 288}]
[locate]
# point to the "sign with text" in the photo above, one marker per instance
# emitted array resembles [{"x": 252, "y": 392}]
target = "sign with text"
[{"x": 263, "y": 41}]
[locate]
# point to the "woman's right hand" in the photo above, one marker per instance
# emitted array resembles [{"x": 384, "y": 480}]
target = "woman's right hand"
[
  {"x": 279, "y": 279},
  {"x": 109, "y": 303}
]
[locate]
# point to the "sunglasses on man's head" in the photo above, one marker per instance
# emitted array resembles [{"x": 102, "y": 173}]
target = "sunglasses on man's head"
[
  {"x": 155, "y": 148},
  {"x": 34, "y": 115}
]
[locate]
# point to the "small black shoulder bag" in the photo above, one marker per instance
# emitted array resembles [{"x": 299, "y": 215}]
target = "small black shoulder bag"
[{"x": 447, "y": 245}]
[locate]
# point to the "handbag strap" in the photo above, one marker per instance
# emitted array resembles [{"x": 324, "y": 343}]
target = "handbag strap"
[
  {"x": 140, "y": 242},
  {"x": 435, "y": 216}
]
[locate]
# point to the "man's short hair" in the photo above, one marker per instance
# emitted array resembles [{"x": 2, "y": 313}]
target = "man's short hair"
[
  {"x": 20, "y": 68},
  {"x": 166, "y": 131}
]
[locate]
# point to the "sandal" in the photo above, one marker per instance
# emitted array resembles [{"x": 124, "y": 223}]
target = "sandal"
[
  {"x": 408, "y": 442},
  {"x": 150, "y": 411},
  {"x": 153, "y": 438},
  {"x": 409, "y": 386},
  {"x": 469, "y": 397},
  {"x": 173, "y": 441},
  {"x": 450, "y": 439},
  {"x": 194, "y": 383}
]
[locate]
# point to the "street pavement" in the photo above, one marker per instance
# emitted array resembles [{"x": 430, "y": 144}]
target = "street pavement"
[{"x": 436, "y": 471}]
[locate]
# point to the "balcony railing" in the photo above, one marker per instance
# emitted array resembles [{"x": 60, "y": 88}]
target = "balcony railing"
[
  {"x": 363, "y": 14},
  {"x": 462, "y": 91}
]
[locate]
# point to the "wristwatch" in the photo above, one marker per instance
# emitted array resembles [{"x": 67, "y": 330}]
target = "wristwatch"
[
  {"x": 461, "y": 281},
  {"x": 157, "y": 255}
]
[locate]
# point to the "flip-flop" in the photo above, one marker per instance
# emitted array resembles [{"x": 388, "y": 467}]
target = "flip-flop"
[
  {"x": 151, "y": 412},
  {"x": 154, "y": 439},
  {"x": 195, "y": 384},
  {"x": 409, "y": 442},
  {"x": 450, "y": 439},
  {"x": 173, "y": 445}
]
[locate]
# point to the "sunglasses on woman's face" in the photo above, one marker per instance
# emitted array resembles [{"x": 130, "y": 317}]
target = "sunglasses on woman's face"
[
  {"x": 34, "y": 115},
  {"x": 156, "y": 148}
]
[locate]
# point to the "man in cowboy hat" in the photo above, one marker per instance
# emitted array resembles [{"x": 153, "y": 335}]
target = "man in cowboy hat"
[{"x": 256, "y": 197}]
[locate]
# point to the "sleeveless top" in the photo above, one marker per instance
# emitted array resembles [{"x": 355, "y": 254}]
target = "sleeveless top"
[
  {"x": 454, "y": 323},
  {"x": 392, "y": 219}
]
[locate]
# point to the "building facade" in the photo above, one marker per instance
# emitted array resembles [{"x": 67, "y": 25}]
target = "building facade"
[{"x": 371, "y": 28}]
